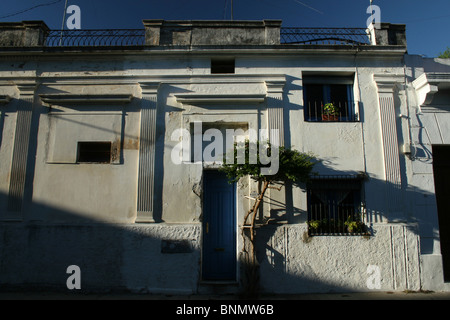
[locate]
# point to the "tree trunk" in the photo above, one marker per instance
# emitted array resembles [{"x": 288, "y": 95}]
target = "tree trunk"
[{"x": 251, "y": 263}]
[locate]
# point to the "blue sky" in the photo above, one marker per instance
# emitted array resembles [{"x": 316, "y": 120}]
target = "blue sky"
[{"x": 427, "y": 22}]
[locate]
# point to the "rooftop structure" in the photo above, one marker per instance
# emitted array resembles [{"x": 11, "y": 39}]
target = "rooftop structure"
[{"x": 197, "y": 33}]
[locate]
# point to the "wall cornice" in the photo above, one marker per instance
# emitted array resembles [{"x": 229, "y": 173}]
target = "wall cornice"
[
  {"x": 428, "y": 84},
  {"x": 387, "y": 83}
]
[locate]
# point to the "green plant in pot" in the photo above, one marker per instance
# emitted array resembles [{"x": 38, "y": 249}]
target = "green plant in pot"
[
  {"x": 354, "y": 226},
  {"x": 330, "y": 112}
]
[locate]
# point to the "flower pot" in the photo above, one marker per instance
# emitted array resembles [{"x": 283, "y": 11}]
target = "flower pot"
[{"x": 330, "y": 117}]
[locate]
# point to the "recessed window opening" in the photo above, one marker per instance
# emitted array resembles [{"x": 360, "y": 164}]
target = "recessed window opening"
[
  {"x": 213, "y": 141},
  {"x": 222, "y": 65},
  {"x": 328, "y": 98},
  {"x": 335, "y": 206},
  {"x": 94, "y": 152}
]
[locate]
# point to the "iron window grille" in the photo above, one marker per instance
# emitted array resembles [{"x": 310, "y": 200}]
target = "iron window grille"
[
  {"x": 329, "y": 98},
  {"x": 336, "y": 205}
]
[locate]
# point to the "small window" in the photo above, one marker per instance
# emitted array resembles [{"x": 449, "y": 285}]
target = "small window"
[
  {"x": 328, "y": 98},
  {"x": 222, "y": 66},
  {"x": 97, "y": 152},
  {"x": 335, "y": 206}
]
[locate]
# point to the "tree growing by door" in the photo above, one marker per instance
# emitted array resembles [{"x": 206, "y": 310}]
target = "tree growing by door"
[{"x": 293, "y": 165}]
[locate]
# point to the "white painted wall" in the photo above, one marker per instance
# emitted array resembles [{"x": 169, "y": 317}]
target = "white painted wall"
[{"x": 98, "y": 201}]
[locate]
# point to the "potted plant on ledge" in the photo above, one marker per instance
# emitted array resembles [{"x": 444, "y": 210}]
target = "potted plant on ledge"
[
  {"x": 330, "y": 112},
  {"x": 355, "y": 225}
]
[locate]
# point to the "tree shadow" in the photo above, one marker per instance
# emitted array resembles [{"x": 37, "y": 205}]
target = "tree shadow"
[{"x": 288, "y": 256}]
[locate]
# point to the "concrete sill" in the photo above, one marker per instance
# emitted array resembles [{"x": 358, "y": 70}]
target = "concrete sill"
[{"x": 219, "y": 283}]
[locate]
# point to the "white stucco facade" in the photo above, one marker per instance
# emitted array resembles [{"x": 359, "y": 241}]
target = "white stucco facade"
[{"x": 114, "y": 220}]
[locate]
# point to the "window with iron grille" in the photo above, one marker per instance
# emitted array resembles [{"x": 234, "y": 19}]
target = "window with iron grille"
[
  {"x": 335, "y": 205},
  {"x": 328, "y": 98}
]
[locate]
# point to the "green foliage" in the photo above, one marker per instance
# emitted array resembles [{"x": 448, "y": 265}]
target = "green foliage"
[
  {"x": 445, "y": 54},
  {"x": 293, "y": 165},
  {"x": 351, "y": 225},
  {"x": 331, "y": 109},
  {"x": 354, "y": 226},
  {"x": 314, "y": 224}
]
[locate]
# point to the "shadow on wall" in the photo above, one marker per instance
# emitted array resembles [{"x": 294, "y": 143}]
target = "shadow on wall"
[
  {"x": 159, "y": 258},
  {"x": 141, "y": 258},
  {"x": 166, "y": 258},
  {"x": 2, "y": 121},
  {"x": 127, "y": 141},
  {"x": 138, "y": 258},
  {"x": 291, "y": 259},
  {"x": 418, "y": 63},
  {"x": 408, "y": 206}
]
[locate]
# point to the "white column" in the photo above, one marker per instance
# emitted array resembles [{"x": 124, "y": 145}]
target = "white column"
[{"x": 146, "y": 173}]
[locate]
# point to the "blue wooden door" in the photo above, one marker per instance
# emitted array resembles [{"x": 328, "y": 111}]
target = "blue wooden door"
[{"x": 219, "y": 227}]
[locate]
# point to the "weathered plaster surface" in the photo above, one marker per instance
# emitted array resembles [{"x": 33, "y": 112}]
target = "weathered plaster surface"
[
  {"x": 85, "y": 214},
  {"x": 293, "y": 262},
  {"x": 110, "y": 256}
]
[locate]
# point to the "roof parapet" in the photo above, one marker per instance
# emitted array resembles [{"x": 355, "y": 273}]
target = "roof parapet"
[
  {"x": 211, "y": 33},
  {"x": 388, "y": 34},
  {"x": 23, "y": 34},
  {"x": 206, "y": 32}
]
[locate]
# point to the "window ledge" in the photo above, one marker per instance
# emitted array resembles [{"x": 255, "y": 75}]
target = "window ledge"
[
  {"x": 219, "y": 282},
  {"x": 220, "y": 98},
  {"x": 93, "y": 99},
  {"x": 356, "y": 234}
]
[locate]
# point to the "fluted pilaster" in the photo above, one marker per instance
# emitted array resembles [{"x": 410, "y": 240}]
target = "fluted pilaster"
[
  {"x": 275, "y": 108},
  {"x": 146, "y": 173},
  {"x": 20, "y": 148},
  {"x": 386, "y": 90}
]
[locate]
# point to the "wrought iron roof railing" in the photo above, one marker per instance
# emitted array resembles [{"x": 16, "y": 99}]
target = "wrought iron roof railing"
[
  {"x": 136, "y": 37},
  {"x": 325, "y": 36},
  {"x": 95, "y": 38}
]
